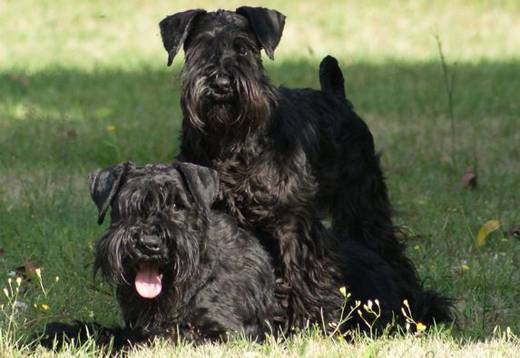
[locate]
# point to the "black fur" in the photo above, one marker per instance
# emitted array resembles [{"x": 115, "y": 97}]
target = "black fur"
[
  {"x": 285, "y": 157},
  {"x": 216, "y": 278}
]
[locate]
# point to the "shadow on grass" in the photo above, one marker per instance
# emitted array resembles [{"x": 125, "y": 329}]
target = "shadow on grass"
[
  {"x": 63, "y": 118},
  {"x": 66, "y": 117}
]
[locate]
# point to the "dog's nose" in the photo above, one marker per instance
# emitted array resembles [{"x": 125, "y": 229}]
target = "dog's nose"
[
  {"x": 222, "y": 83},
  {"x": 151, "y": 244}
]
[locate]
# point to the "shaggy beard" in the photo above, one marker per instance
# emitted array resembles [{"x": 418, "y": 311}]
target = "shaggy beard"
[
  {"x": 250, "y": 106},
  {"x": 115, "y": 256}
]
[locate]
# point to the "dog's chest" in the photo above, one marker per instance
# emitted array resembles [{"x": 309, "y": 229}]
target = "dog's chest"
[{"x": 250, "y": 186}]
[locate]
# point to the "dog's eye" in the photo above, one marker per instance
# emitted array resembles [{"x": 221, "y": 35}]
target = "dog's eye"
[
  {"x": 177, "y": 206},
  {"x": 243, "y": 51}
]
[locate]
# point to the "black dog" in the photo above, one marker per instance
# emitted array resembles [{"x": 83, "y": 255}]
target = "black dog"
[
  {"x": 284, "y": 156},
  {"x": 183, "y": 270},
  {"x": 180, "y": 269}
]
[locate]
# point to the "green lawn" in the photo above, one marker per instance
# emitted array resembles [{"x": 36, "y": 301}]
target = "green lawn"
[{"x": 84, "y": 84}]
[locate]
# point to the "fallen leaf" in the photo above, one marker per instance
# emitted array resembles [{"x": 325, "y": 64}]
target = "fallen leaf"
[
  {"x": 71, "y": 133},
  {"x": 407, "y": 233},
  {"x": 28, "y": 270},
  {"x": 485, "y": 230},
  {"x": 21, "y": 79},
  {"x": 469, "y": 179}
]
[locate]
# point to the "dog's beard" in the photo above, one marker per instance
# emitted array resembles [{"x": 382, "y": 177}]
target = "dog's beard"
[
  {"x": 121, "y": 264},
  {"x": 249, "y": 105},
  {"x": 112, "y": 251}
]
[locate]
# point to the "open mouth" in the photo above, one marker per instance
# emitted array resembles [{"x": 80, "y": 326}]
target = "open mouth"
[{"x": 148, "y": 280}]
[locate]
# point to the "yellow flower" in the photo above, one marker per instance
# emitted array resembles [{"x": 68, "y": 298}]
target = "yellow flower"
[
  {"x": 343, "y": 291},
  {"x": 111, "y": 128},
  {"x": 45, "y": 307},
  {"x": 420, "y": 327},
  {"x": 465, "y": 267}
]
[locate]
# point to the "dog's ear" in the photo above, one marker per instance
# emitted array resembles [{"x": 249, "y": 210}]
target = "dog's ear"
[
  {"x": 267, "y": 25},
  {"x": 202, "y": 182},
  {"x": 175, "y": 29},
  {"x": 104, "y": 185}
]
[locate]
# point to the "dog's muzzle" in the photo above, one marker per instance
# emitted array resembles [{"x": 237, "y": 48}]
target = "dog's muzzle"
[
  {"x": 150, "y": 245},
  {"x": 221, "y": 86}
]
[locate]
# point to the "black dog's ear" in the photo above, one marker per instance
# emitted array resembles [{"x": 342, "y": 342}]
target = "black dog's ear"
[
  {"x": 104, "y": 185},
  {"x": 267, "y": 25},
  {"x": 202, "y": 182},
  {"x": 174, "y": 30}
]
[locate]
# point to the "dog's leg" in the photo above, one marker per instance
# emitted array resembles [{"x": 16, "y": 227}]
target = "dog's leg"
[
  {"x": 361, "y": 208},
  {"x": 313, "y": 296},
  {"x": 57, "y": 334}
]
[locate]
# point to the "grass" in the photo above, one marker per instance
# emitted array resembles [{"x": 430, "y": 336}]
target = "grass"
[{"x": 84, "y": 84}]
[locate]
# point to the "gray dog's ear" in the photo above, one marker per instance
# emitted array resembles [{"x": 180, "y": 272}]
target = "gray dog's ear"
[
  {"x": 175, "y": 29},
  {"x": 202, "y": 182},
  {"x": 267, "y": 25},
  {"x": 104, "y": 185}
]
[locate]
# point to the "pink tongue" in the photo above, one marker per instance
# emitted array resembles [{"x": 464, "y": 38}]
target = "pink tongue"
[{"x": 148, "y": 281}]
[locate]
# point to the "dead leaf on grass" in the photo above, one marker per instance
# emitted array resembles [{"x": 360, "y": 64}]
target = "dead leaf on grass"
[
  {"x": 485, "y": 230},
  {"x": 21, "y": 79},
  {"x": 403, "y": 233},
  {"x": 28, "y": 270},
  {"x": 71, "y": 133},
  {"x": 469, "y": 179}
]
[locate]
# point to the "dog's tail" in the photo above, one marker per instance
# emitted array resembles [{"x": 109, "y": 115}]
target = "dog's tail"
[
  {"x": 331, "y": 78},
  {"x": 428, "y": 307}
]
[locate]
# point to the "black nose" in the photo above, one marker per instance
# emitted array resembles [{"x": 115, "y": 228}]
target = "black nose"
[
  {"x": 222, "y": 83},
  {"x": 150, "y": 244}
]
